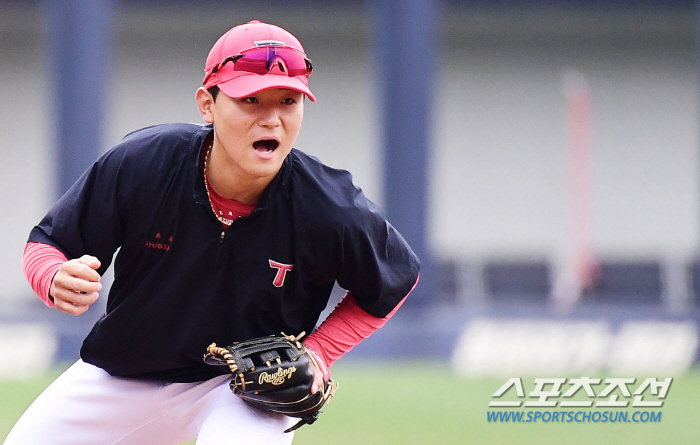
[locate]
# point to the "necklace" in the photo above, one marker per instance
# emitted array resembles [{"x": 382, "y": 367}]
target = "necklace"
[{"x": 224, "y": 221}]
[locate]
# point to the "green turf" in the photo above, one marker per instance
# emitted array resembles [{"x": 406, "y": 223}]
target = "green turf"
[
  {"x": 17, "y": 395},
  {"x": 400, "y": 404}
]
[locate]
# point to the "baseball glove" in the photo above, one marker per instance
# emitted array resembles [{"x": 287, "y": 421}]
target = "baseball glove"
[{"x": 274, "y": 374}]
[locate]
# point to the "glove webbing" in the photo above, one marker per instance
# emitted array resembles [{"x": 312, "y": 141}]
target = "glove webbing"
[
  {"x": 223, "y": 352},
  {"x": 231, "y": 362}
]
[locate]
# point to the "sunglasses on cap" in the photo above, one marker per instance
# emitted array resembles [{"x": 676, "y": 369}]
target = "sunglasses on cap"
[{"x": 261, "y": 60}]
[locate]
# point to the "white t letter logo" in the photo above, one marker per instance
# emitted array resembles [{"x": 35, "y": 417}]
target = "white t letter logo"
[{"x": 282, "y": 270}]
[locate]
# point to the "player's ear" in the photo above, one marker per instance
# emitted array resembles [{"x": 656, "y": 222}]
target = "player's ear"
[{"x": 204, "y": 103}]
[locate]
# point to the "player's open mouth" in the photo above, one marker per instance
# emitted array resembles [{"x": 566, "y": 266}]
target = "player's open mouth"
[{"x": 266, "y": 145}]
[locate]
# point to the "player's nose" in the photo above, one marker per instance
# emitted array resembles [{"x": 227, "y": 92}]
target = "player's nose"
[{"x": 269, "y": 116}]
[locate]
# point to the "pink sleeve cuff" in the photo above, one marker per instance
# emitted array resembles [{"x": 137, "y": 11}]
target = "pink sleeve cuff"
[{"x": 40, "y": 263}]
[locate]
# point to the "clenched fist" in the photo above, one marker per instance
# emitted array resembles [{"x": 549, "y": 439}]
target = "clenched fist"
[{"x": 76, "y": 285}]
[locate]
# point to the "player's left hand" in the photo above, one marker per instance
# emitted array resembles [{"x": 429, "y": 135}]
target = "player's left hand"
[
  {"x": 318, "y": 380},
  {"x": 320, "y": 375}
]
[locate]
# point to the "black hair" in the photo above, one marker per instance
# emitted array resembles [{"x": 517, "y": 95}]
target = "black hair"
[{"x": 214, "y": 91}]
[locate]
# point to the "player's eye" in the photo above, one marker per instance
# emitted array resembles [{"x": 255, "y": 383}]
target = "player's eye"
[
  {"x": 289, "y": 101},
  {"x": 250, "y": 100}
]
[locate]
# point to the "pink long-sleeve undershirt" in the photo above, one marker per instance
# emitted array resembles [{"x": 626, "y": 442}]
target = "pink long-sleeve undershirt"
[
  {"x": 344, "y": 329},
  {"x": 40, "y": 263}
]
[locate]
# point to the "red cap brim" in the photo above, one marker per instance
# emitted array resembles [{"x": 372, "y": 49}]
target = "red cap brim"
[{"x": 248, "y": 84}]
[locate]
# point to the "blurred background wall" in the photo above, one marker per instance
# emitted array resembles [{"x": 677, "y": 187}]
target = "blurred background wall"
[{"x": 502, "y": 213}]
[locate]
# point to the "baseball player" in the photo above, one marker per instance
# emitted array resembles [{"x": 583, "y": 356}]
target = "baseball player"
[{"x": 223, "y": 232}]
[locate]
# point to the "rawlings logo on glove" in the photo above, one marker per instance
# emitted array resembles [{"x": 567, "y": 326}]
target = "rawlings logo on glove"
[{"x": 278, "y": 377}]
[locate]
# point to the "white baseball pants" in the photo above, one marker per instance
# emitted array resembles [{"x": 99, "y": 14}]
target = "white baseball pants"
[{"x": 87, "y": 406}]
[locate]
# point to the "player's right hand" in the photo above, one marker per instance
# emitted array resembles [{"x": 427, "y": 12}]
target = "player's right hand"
[{"x": 76, "y": 285}]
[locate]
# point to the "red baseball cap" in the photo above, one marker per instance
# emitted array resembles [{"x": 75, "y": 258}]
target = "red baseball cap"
[{"x": 257, "y": 56}]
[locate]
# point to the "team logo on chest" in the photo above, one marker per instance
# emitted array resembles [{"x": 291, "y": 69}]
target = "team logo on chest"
[
  {"x": 160, "y": 243},
  {"x": 282, "y": 270}
]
